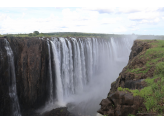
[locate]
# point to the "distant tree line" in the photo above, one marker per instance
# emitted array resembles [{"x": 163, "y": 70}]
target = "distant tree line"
[
  {"x": 80, "y": 34},
  {"x": 35, "y": 33}
]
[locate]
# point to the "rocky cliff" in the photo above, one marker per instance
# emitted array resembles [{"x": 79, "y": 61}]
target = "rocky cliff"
[
  {"x": 31, "y": 70},
  {"x": 31, "y": 62},
  {"x": 136, "y": 90}
]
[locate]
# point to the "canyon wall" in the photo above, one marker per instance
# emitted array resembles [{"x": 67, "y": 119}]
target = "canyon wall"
[
  {"x": 31, "y": 70},
  {"x": 120, "y": 100},
  {"x": 46, "y": 69}
]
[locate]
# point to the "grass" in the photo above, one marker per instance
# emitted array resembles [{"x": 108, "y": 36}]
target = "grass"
[
  {"x": 131, "y": 115},
  {"x": 153, "y": 94},
  {"x": 69, "y": 34},
  {"x": 153, "y": 56}
]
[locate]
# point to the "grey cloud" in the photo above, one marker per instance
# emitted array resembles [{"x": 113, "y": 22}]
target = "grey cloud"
[
  {"x": 136, "y": 19},
  {"x": 104, "y": 11},
  {"x": 80, "y": 25},
  {"x": 63, "y": 27},
  {"x": 84, "y": 19},
  {"x": 101, "y": 10},
  {"x": 105, "y": 23},
  {"x": 161, "y": 9}
]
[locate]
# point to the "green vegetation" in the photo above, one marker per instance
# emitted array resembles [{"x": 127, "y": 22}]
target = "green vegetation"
[
  {"x": 153, "y": 93},
  {"x": 68, "y": 34},
  {"x": 152, "y": 56},
  {"x": 131, "y": 115},
  {"x": 123, "y": 89},
  {"x": 36, "y": 33},
  {"x": 81, "y": 34},
  {"x": 30, "y": 34}
]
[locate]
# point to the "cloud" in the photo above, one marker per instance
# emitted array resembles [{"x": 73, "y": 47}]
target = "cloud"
[
  {"x": 110, "y": 20},
  {"x": 129, "y": 10},
  {"x": 3, "y": 17},
  {"x": 102, "y": 10},
  {"x": 120, "y": 29},
  {"x": 80, "y": 20},
  {"x": 143, "y": 15},
  {"x": 150, "y": 17}
]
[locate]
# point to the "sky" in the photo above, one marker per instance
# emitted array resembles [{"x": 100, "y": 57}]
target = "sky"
[{"x": 90, "y": 19}]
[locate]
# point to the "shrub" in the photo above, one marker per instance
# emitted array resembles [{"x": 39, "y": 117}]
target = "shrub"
[
  {"x": 36, "y": 33},
  {"x": 30, "y": 34}
]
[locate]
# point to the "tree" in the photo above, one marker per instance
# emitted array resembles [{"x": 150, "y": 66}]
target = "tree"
[
  {"x": 36, "y": 33},
  {"x": 30, "y": 34}
]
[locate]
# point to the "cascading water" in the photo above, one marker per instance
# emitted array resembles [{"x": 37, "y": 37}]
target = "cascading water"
[
  {"x": 12, "y": 85},
  {"x": 84, "y": 70},
  {"x": 59, "y": 88}
]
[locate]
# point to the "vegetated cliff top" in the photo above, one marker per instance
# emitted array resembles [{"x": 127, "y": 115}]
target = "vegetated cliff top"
[
  {"x": 146, "y": 62},
  {"x": 139, "y": 89}
]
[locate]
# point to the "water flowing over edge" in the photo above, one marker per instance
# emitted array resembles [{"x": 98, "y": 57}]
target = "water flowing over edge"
[
  {"x": 12, "y": 84},
  {"x": 84, "y": 63}
]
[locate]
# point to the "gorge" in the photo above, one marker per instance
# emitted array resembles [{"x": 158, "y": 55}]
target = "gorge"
[{"x": 41, "y": 74}]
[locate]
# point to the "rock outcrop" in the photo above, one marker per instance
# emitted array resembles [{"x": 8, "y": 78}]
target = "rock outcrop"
[
  {"x": 31, "y": 69},
  {"x": 122, "y": 103},
  {"x": 62, "y": 111},
  {"x": 5, "y": 103}
]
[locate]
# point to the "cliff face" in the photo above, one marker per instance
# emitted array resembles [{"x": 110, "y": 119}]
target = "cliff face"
[
  {"x": 31, "y": 70},
  {"x": 129, "y": 79},
  {"x": 120, "y": 99},
  {"x": 31, "y": 59},
  {"x": 5, "y": 103}
]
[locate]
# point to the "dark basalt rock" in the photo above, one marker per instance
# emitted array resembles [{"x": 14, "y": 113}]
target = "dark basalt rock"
[
  {"x": 124, "y": 103},
  {"x": 62, "y": 111},
  {"x": 5, "y": 101},
  {"x": 134, "y": 84},
  {"x": 137, "y": 48},
  {"x": 120, "y": 104},
  {"x": 31, "y": 70}
]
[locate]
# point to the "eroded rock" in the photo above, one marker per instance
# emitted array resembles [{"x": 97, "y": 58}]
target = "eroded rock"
[
  {"x": 121, "y": 103},
  {"x": 62, "y": 111}
]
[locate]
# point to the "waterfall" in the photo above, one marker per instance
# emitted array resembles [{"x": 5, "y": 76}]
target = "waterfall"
[
  {"x": 50, "y": 76},
  {"x": 12, "y": 85},
  {"x": 59, "y": 88},
  {"x": 84, "y": 70}
]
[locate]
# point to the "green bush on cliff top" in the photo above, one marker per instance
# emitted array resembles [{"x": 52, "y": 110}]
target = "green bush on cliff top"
[{"x": 153, "y": 94}]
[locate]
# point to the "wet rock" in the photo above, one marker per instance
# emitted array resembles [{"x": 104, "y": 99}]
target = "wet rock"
[
  {"x": 134, "y": 84},
  {"x": 146, "y": 114},
  {"x": 31, "y": 70},
  {"x": 118, "y": 110},
  {"x": 110, "y": 112},
  {"x": 122, "y": 104},
  {"x": 127, "y": 99},
  {"x": 127, "y": 109},
  {"x": 138, "y": 47},
  {"x": 5, "y": 100},
  {"x": 62, "y": 111}
]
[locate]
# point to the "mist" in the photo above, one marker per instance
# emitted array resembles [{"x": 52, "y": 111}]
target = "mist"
[{"x": 87, "y": 67}]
